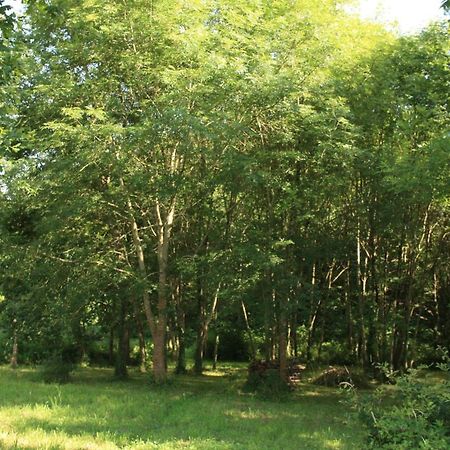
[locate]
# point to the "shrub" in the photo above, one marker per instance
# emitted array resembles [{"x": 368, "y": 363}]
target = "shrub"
[
  {"x": 268, "y": 385},
  {"x": 264, "y": 379},
  {"x": 335, "y": 353},
  {"x": 418, "y": 418},
  {"x": 57, "y": 368},
  {"x": 99, "y": 357}
]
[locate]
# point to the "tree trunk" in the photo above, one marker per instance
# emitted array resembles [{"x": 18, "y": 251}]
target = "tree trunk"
[
  {"x": 202, "y": 333},
  {"x": 282, "y": 342},
  {"x": 181, "y": 356},
  {"x": 216, "y": 351},
  {"x": 198, "y": 356},
  {"x": 180, "y": 329},
  {"x": 159, "y": 354},
  {"x": 122, "y": 354},
  {"x": 157, "y": 321},
  {"x": 349, "y": 315},
  {"x": 442, "y": 286},
  {"x": 141, "y": 337},
  {"x": 361, "y": 282},
  {"x": 313, "y": 314},
  {"x": 160, "y": 324},
  {"x": 249, "y": 332},
  {"x": 111, "y": 345},
  {"x": 159, "y": 333},
  {"x": 142, "y": 351},
  {"x": 293, "y": 335},
  {"x": 268, "y": 326},
  {"x": 321, "y": 339},
  {"x": 201, "y": 327},
  {"x": 15, "y": 351}
]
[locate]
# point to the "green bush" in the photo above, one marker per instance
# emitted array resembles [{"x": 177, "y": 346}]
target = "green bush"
[
  {"x": 427, "y": 354},
  {"x": 5, "y": 351},
  {"x": 267, "y": 384},
  {"x": 57, "y": 368},
  {"x": 418, "y": 417},
  {"x": 335, "y": 353}
]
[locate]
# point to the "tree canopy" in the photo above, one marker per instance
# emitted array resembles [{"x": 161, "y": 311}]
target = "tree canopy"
[{"x": 275, "y": 173}]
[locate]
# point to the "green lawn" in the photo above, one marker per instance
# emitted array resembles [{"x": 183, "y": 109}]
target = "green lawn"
[{"x": 209, "y": 412}]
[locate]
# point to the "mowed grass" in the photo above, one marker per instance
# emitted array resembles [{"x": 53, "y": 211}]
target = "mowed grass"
[{"x": 210, "y": 412}]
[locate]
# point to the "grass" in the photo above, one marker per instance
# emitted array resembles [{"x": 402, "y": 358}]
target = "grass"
[{"x": 97, "y": 413}]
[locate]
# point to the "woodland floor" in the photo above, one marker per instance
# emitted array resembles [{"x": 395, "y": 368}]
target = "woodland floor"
[{"x": 209, "y": 412}]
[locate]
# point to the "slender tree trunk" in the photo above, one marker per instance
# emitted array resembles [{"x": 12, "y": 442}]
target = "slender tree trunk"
[
  {"x": 361, "y": 280},
  {"x": 349, "y": 315},
  {"x": 172, "y": 340},
  {"x": 202, "y": 333},
  {"x": 141, "y": 337},
  {"x": 142, "y": 351},
  {"x": 442, "y": 295},
  {"x": 201, "y": 317},
  {"x": 15, "y": 350},
  {"x": 396, "y": 310},
  {"x": 403, "y": 363},
  {"x": 282, "y": 341},
  {"x": 321, "y": 339},
  {"x": 122, "y": 354},
  {"x": 268, "y": 324},
  {"x": 436, "y": 311},
  {"x": 249, "y": 332},
  {"x": 375, "y": 349},
  {"x": 314, "y": 311},
  {"x": 181, "y": 355},
  {"x": 293, "y": 335},
  {"x": 160, "y": 325},
  {"x": 413, "y": 347},
  {"x": 216, "y": 351},
  {"x": 180, "y": 326},
  {"x": 198, "y": 356},
  {"x": 157, "y": 321},
  {"x": 159, "y": 353},
  {"x": 111, "y": 346}
]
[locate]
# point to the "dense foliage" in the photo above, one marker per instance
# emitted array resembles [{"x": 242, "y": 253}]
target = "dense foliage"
[
  {"x": 418, "y": 417},
  {"x": 246, "y": 178}
]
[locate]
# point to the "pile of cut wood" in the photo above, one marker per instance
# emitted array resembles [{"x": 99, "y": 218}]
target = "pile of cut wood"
[{"x": 340, "y": 376}]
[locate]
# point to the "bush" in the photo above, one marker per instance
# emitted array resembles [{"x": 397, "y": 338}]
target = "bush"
[
  {"x": 335, "y": 353},
  {"x": 58, "y": 367},
  {"x": 5, "y": 345},
  {"x": 419, "y": 417},
  {"x": 99, "y": 357},
  {"x": 264, "y": 379},
  {"x": 268, "y": 385}
]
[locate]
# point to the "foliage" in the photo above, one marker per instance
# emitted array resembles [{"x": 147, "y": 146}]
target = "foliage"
[
  {"x": 60, "y": 363},
  {"x": 418, "y": 416},
  {"x": 56, "y": 369},
  {"x": 265, "y": 380}
]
